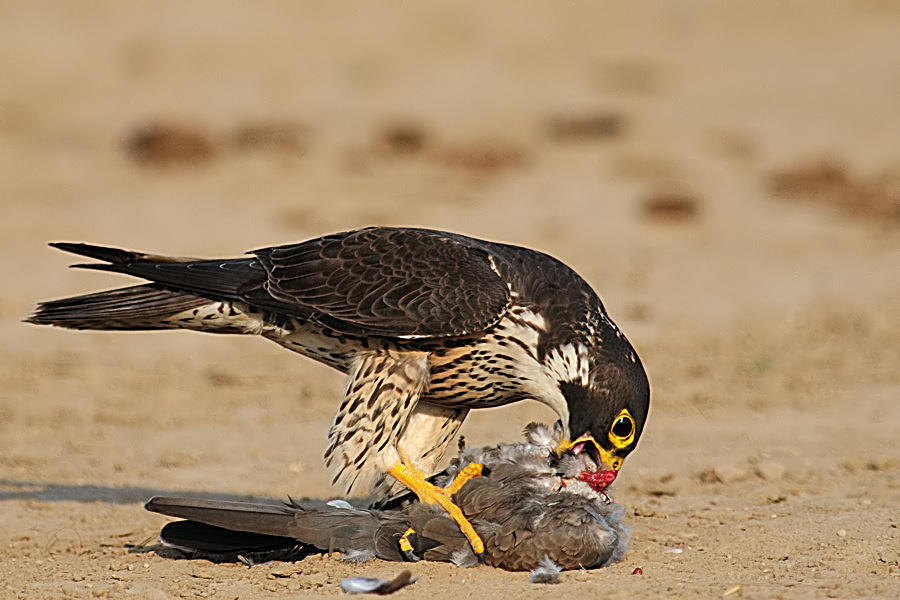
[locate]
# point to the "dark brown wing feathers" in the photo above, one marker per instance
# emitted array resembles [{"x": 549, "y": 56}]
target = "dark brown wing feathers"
[
  {"x": 392, "y": 282},
  {"x": 378, "y": 281}
]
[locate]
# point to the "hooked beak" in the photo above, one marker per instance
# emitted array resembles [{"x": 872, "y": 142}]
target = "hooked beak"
[
  {"x": 607, "y": 465},
  {"x": 605, "y": 460}
]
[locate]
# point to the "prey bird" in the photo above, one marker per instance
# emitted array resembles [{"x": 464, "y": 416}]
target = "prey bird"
[
  {"x": 531, "y": 504},
  {"x": 426, "y": 324}
]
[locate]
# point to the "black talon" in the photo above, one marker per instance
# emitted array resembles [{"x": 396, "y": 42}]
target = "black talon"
[
  {"x": 410, "y": 556},
  {"x": 480, "y": 557}
]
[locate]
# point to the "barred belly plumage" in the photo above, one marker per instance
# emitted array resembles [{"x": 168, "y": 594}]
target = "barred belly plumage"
[{"x": 496, "y": 369}]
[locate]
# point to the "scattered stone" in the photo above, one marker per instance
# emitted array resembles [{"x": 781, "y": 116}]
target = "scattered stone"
[
  {"x": 671, "y": 206},
  {"x": 812, "y": 178},
  {"x": 284, "y": 572},
  {"x": 830, "y": 182},
  {"x": 842, "y": 533},
  {"x": 403, "y": 138},
  {"x": 202, "y": 575},
  {"x": 169, "y": 144},
  {"x": 483, "y": 156},
  {"x": 596, "y": 126}
]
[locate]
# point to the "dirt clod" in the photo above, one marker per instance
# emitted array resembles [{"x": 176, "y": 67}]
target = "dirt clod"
[
  {"x": 595, "y": 126},
  {"x": 671, "y": 206},
  {"x": 169, "y": 144}
]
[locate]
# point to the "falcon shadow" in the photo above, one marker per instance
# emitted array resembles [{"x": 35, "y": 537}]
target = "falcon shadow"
[{"x": 43, "y": 491}]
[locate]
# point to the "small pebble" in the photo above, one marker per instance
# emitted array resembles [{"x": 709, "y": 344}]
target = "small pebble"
[
  {"x": 842, "y": 533},
  {"x": 284, "y": 572},
  {"x": 638, "y": 571}
]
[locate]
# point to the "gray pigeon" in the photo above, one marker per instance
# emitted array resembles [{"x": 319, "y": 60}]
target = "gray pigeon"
[{"x": 529, "y": 504}]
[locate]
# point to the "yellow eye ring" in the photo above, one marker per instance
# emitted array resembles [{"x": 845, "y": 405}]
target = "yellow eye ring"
[{"x": 621, "y": 432}]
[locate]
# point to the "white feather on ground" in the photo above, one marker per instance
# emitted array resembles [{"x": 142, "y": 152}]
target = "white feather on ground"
[
  {"x": 372, "y": 585},
  {"x": 358, "y": 556},
  {"x": 546, "y": 572},
  {"x": 464, "y": 557}
]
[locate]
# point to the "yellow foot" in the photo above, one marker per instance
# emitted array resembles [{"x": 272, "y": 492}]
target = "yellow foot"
[
  {"x": 431, "y": 494},
  {"x": 406, "y": 545}
]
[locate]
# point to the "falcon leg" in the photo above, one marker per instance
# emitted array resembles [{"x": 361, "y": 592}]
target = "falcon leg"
[{"x": 429, "y": 493}]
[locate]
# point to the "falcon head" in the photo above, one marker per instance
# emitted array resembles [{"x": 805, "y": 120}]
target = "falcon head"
[{"x": 606, "y": 417}]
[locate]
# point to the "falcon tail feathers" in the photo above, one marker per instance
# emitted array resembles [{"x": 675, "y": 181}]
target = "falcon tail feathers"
[
  {"x": 218, "y": 279},
  {"x": 110, "y": 255},
  {"x": 139, "y": 307}
]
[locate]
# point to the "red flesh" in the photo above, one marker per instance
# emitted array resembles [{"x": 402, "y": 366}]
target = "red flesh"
[{"x": 598, "y": 480}]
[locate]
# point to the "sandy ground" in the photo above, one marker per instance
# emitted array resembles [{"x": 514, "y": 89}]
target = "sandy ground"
[{"x": 726, "y": 176}]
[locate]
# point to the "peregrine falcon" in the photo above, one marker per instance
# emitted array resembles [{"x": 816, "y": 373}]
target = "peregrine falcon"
[
  {"x": 426, "y": 324},
  {"x": 531, "y": 504}
]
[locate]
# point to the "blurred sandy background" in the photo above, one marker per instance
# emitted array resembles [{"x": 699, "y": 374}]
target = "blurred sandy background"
[{"x": 726, "y": 175}]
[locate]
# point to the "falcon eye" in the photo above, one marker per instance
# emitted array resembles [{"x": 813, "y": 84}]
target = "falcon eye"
[
  {"x": 622, "y": 431},
  {"x": 622, "y": 427}
]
